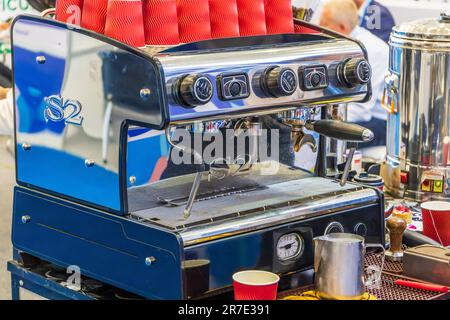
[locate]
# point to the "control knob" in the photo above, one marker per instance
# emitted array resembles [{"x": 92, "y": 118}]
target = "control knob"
[
  {"x": 316, "y": 79},
  {"x": 334, "y": 227},
  {"x": 280, "y": 82},
  {"x": 355, "y": 72},
  {"x": 360, "y": 229},
  {"x": 194, "y": 90}
]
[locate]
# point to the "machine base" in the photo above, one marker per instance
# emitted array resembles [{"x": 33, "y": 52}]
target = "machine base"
[{"x": 151, "y": 262}]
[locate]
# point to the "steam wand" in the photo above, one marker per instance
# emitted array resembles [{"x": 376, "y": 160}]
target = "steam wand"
[
  {"x": 348, "y": 163},
  {"x": 198, "y": 175}
]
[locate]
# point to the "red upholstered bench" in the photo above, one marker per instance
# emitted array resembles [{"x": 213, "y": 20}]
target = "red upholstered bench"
[{"x": 170, "y": 22}]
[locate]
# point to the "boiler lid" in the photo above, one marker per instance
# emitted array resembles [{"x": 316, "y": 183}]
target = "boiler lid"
[{"x": 427, "y": 29}]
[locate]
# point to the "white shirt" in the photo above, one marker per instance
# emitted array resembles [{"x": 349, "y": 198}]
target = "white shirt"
[
  {"x": 378, "y": 52},
  {"x": 7, "y": 115}
]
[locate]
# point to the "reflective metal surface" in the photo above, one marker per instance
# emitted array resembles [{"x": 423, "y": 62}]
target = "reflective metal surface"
[
  {"x": 433, "y": 29},
  {"x": 308, "y": 209},
  {"x": 418, "y": 99},
  {"x": 276, "y": 204},
  {"x": 94, "y": 136},
  {"x": 80, "y": 97},
  {"x": 339, "y": 266},
  {"x": 253, "y": 62},
  {"x": 69, "y": 109}
]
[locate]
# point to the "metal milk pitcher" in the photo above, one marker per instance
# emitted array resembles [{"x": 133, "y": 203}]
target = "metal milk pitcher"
[{"x": 339, "y": 266}]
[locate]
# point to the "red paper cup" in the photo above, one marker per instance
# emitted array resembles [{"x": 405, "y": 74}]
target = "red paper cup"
[
  {"x": 279, "y": 16},
  {"x": 255, "y": 285},
  {"x": 193, "y": 20},
  {"x": 93, "y": 16},
  {"x": 436, "y": 221},
  {"x": 69, "y": 11},
  {"x": 161, "y": 22},
  {"x": 224, "y": 18},
  {"x": 125, "y": 22},
  {"x": 252, "y": 17}
]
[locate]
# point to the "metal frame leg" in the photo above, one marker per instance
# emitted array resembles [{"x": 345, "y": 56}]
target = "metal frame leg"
[{"x": 15, "y": 288}]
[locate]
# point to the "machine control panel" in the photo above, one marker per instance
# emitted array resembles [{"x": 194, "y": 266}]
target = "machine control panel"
[
  {"x": 313, "y": 78},
  {"x": 203, "y": 81},
  {"x": 233, "y": 87},
  {"x": 278, "y": 82}
]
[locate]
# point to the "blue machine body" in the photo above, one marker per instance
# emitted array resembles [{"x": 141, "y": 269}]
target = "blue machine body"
[{"x": 106, "y": 247}]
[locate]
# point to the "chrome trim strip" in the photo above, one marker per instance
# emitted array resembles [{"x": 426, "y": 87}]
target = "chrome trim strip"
[
  {"x": 310, "y": 208},
  {"x": 306, "y": 104}
]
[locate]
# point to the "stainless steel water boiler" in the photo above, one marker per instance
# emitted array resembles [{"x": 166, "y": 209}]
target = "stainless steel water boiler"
[{"x": 417, "y": 98}]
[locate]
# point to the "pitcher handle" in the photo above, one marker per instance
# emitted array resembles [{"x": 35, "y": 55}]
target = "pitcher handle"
[{"x": 371, "y": 282}]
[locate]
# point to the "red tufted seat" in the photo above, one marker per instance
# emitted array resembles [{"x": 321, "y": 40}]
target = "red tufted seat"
[
  {"x": 203, "y": 19},
  {"x": 169, "y": 22}
]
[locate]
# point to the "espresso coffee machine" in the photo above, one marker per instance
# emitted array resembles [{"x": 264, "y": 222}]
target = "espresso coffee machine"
[{"x": 109, "y": 181}]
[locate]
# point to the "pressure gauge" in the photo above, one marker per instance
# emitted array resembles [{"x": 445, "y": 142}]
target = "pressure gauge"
[{"x": 289, "y": 246}]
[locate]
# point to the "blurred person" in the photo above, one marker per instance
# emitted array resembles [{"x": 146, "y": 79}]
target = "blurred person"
[
  {"x": 4, "y": 26},
  {"x": 5, "y": 57},
  {"x": 6, "y": 112},
  {"x": 342, "y": 16},
  {"x": 376, "y": 18}
]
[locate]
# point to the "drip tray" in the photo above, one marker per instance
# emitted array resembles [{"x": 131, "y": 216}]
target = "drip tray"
[
  {"x": 256, "y": 200},
  {"x": 179, "y": 195}
]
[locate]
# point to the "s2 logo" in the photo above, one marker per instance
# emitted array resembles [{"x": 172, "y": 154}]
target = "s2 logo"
[{"x": 57, "y": 110}]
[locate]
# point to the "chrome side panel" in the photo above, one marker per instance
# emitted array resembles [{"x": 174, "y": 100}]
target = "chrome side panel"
[{"x": 74, "y": 94}]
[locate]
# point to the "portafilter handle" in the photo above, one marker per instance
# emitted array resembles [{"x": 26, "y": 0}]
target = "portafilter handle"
[{"x": 340, "y": 130}]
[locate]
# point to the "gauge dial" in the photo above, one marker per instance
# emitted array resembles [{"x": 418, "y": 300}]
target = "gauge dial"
[{"x": 289, "y": 246}]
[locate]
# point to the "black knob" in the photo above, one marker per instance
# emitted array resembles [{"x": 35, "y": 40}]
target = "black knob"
[
  {"x": 235, "y": 88},
  {"x": 316, "y": 79},
  {"x": 280, "y": 82},
  {"x": 355, "y": 72},
  {"x": 194, "y": 90}
]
